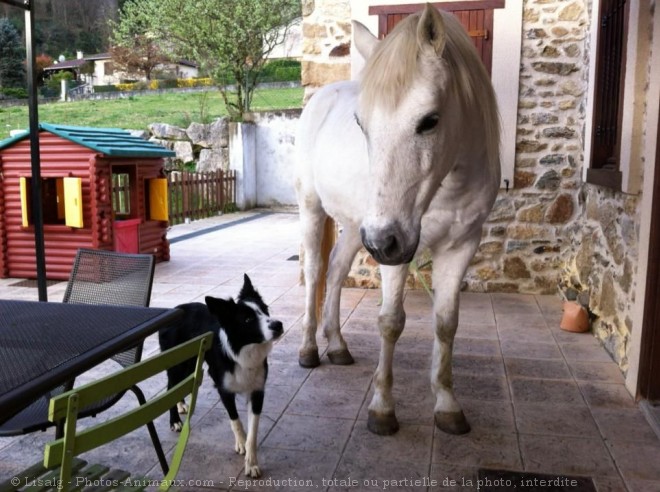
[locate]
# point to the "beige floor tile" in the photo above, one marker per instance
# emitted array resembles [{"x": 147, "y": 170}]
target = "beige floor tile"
[
  {"x": 606, "y": 395},
  {"x": 312, "y": 402},
  {"x": 530, "y": 350},
  {"x": 477, "y": 346},
  {"x": 523, "y": 333},
  {"x": 537, "y": 368},
  {"x": 597, "y": 372},
  {"x": 477, "y": 364},
  {"x": 636, "y": 460},
  {"x": 303, "y": 433},
  {"x": 553, "y": 419},
  {"x": 585, "y": 352},
  {"x": 490, "y": 417},
  {"x": 377, "y": 459},
  {"x": 477, "y": 449},
  {"x": 548, "y": 391},
  {"x": 481, "y": 387},
  {"x": 566, "y": 455},
  {"x": 448, "y": 477},
  {"x": 624, "y": 424}
]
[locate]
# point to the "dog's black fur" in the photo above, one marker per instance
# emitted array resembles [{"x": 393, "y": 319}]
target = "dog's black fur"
[{"x": 243, "y": 334}]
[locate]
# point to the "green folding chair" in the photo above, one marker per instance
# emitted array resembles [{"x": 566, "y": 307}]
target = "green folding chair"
[{"x": 60, "y": 463}]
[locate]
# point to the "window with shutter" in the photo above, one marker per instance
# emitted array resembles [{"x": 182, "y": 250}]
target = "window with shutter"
[{"x": 61, "y": 199}]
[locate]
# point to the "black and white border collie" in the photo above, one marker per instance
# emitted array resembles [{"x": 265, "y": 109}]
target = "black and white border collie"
[{"x": 243, "y": 335}]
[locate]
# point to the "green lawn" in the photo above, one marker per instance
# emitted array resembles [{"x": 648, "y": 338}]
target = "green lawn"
[{"x": 138, "y": 111}]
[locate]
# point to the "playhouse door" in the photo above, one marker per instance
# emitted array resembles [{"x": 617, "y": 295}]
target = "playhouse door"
[
  {"x": 125, "y": 208},
  {"x": 127, "y": 235}
]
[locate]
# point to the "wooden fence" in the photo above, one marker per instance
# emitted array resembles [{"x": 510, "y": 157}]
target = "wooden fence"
[
  {"x": 190, "y": 195},
  {"x": 200, "y": 195}
]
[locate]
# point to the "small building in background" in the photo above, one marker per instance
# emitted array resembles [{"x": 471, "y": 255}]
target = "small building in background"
[{"x": 101, "y": 188}]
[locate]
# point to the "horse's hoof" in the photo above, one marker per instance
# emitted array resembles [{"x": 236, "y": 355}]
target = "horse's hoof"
[
  {"x": 341, "y": 357},
  {"x": 452, "y": 422},
  {"x": 309, "y": 359},
  {"x": 383, "y": 424}
]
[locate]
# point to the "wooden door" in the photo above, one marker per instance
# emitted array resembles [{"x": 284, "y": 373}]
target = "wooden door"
[
  {"x": 609, "y": 86},
  {"x": 649, "y": 367},
  {"x": 475, "y": 16}
]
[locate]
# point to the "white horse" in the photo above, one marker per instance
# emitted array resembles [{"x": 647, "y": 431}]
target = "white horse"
[{"x": 405, "y": 160}]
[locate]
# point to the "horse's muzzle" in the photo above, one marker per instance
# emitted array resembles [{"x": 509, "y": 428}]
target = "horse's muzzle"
[{"x": 389, "y": 245}]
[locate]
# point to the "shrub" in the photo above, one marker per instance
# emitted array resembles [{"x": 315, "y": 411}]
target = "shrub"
[
  {"x": 105, "y": 88},
  {"x": 280, "y": 71},
  {"x": 125, "y": 87},
  {"x": 166, "y": 84},
  {"x": 55, "y": 82},
  {"x": 14, "y": 92},
  {"x": 201, "y": 82},
  {"x": 287, "y": 74}
]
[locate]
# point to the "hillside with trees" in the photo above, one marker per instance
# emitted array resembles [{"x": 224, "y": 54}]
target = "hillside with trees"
[{"x": 63, "y": 27}]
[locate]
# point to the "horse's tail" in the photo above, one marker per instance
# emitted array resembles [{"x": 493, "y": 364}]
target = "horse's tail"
[{"x": 328, "y": 234}]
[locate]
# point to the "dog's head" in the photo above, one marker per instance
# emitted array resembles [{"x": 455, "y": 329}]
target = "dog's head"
[{"x": 246, "y": 328}]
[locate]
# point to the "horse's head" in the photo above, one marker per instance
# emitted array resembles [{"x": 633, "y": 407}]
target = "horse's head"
[{"x": 408, "y": 122}]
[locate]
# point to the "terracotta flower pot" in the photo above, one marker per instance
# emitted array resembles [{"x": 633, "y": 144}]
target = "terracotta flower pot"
[{"x": 575, "y": 318}]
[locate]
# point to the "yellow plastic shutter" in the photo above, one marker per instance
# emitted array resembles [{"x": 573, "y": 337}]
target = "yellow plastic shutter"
[
  {"x": 73, "y": 211},
  {"x": 158, "y": 209},
  {"x": 25, "y": 202}
]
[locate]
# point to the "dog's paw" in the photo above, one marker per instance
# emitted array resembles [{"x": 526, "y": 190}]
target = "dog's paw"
[
  {"x": 239, "y": 447},
  {"x": 181, "y": 407},
  {"x": 252, "y": 471},
  {"x": 176, "y": 426}
]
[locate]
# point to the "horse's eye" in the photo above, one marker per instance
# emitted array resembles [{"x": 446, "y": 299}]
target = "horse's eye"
[{"x": 429, "y": 122}]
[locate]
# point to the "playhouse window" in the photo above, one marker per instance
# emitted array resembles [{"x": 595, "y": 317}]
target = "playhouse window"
[
  {"x": 121, "y": 194},
  {"x": 61, "y": 200}
]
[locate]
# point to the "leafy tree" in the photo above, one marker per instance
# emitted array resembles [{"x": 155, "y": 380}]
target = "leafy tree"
[
  {"x": 42, "y": 61},
  {"x": 135, "y": 48},
  {"x": 12, "y": 68},
  {"x": 230, "y": 39}
]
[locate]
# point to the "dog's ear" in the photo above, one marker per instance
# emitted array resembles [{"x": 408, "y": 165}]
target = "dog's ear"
[
  {"x": 248, "y": 291},
  {"x": 220, "y": 308}
]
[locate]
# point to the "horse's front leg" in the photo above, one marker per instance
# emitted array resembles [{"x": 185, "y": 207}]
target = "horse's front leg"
[
  {"x": 448, "y": 271},
  {"x": 341, "y": 259},
  {"x": 382, "y": 419},
  {"x": 312, "y": 221}
]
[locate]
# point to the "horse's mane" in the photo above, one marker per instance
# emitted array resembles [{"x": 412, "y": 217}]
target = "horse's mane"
[{"x": 392, "y": 67}]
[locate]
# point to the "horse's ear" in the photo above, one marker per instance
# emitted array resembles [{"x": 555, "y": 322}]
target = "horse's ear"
[
  {"x": 431, "y": 31},
  {"x": 365, "y": 42}
]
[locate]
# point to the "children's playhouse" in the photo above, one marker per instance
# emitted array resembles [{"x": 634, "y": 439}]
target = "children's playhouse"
[{"x": 101, "y": 188}]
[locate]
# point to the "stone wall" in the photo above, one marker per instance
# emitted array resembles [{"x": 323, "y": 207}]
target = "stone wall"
[
  {"x": 205, "y": 145},
  {"x": 326, "y": 43},
  {"x": 525, "y": 239},
  {"x": 600, "y": 263}
]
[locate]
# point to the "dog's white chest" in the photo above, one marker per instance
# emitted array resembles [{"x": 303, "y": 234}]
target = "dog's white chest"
[{"x": 245, "y": 380}]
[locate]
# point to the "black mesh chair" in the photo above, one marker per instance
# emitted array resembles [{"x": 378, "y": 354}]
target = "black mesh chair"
[{"x": 98, "y": 277}]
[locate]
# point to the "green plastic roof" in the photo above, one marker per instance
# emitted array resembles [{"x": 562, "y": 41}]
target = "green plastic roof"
[{"x": 109, "y": 141}]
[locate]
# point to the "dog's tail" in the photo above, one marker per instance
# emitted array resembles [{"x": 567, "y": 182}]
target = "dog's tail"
[{"x": 327, "y": 243}]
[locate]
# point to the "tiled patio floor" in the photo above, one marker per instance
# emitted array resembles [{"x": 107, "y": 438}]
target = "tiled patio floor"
[{"x": 538, "y": 399}]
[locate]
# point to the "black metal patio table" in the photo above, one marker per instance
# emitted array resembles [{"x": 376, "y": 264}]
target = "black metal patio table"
[{"x": 45, "y": 344}]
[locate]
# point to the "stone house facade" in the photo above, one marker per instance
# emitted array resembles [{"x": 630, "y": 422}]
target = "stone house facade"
[{"x": 552, "y": 231}]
